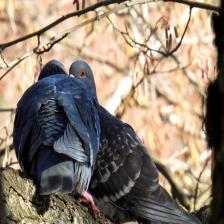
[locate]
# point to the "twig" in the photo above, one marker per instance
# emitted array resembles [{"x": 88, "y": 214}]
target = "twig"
[
  {"x": 182, "y": 37},
  {"x": 176, "y": 60},
  {"x": 15, "y": 63},
  {"x": 176, "y": 191},
  {"x": 2, "y": 150},
  {"x": 12, "y": 110},
  {"x": 50, "y": 44},
  {"x": 94, "y": 56},
  {"x": 194, "y": 4},
  {"x": 47, "y": 46},
  {"x": 3, "y": 59},
  {"x": 126, "y": 33},
  {"x": 198, "y": 181},
  {"x": 93, "y": 8},
  {"x": 58, "y": 21},
  {"x": 143, "y": 45},
  {"x": 11, "y": 164}
]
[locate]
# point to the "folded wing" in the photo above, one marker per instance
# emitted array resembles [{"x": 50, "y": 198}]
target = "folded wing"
[{"x": 56, "y": 134}]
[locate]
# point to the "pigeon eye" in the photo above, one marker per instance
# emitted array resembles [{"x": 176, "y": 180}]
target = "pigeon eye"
[{"x": 82, "y": 74}]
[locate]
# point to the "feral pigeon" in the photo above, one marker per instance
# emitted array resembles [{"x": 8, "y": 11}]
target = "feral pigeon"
[
  {"x": 57, "y": 131},
  {"x": 125, "y": 180}
]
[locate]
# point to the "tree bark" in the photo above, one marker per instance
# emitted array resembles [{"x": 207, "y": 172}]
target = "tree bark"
[
  {"x": 215, "y": 121},
  {"x": 19, "y": 203}
]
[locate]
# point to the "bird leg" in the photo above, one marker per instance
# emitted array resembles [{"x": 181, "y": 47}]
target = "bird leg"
[{"x": 87, "y": 199}]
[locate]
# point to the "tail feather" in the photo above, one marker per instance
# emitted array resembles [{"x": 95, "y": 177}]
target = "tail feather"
[
  {"x": 164, "y": 210},
  {"x": 83, "y": 175},
  {"x": 54, "y": 172},
  {"x": 156, "y": 215},
  {"x": 150, "y": 204}
]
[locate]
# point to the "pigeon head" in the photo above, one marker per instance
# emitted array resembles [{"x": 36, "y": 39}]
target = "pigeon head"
[
  {"x": 51, "y": 68},
  {"x": 80, "y": 69}
]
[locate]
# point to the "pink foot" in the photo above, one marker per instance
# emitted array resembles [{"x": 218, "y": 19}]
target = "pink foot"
[{"x": 87, "y": 199}]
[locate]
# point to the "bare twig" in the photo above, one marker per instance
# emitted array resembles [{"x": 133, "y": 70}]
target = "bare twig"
[
  {"x": 94, "y": 56},
  {"x": 176, "y": 191},
  {"x": 194, "y": 4},
  {"x": 14, "y": 63},
  {"x": 2, "y": 150},
  {"x": 131, "y": 40},
  {"x": 175, "y": 59},
  {"x": 46, "y": 47},
  {"x": 58, "y": 21},
  {"x": 3, "y": 59},
  {"x": 182, "y": 37},
  {"x": 198, "y": 181},
  {"x": 7, "y": 110},
  {"x": 93, "y": 8}
]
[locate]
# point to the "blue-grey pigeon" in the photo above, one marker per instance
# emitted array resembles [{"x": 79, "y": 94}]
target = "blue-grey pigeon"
[
  {"x": 57, "y": 131},
  {"x": 125, "y": 181}
]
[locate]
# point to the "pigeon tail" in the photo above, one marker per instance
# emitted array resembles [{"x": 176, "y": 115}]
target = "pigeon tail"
[
  {"x": 54, "y": 172},
  {"x": 166, "y": 210}
]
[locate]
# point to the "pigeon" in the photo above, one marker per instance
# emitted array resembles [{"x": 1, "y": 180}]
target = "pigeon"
[
  {"x": 125, "y": 182},
  {"x": 57, "y": 132}
]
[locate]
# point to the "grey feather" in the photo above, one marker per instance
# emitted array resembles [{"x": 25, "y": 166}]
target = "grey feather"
[
  {"x": 83, "y": 174},
  {"x": 70, "y": 144}
]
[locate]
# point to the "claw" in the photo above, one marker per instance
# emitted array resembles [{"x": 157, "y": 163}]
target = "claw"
[{"x": 87, "y": 199}]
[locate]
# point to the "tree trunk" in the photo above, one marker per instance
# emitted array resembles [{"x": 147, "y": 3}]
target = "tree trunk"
[
  {"x": 215, "y": 121},
  {"x": 19, "y": 203}
]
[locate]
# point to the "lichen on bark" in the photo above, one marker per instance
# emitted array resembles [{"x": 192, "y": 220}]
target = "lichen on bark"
[{"x": 20, "y": 203}]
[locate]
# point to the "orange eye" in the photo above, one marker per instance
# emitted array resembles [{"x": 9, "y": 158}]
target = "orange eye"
[{"x": 82, "y": 73}]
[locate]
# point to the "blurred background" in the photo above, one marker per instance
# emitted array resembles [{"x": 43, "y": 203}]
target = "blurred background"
[{"x": 161, "y": 97}]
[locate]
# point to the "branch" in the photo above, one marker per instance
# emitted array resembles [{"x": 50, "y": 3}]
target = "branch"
[
  {"x": 40, "y": 49},
  {"x": 199, "y": 5},
  {"x": 15, "y": 63},
  {"x": 176, "y": 191},
  {"x": 132, "y": 43},
  {"x": 23, "y": 205},
  {"x": 182, "y": 37},
  {"x": 93, "y": 8},
  {"x": 58, "y": 21},
  {"x": 47, "y": 46},
  {"x": 185, "y": 69}
]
